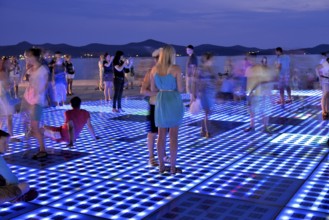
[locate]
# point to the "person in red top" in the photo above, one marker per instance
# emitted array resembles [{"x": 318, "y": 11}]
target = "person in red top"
[{"x": 75, "y": 120}]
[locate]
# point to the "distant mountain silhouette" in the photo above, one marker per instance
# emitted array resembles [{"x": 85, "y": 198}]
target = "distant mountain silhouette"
[{"x": 145, "y": 49}]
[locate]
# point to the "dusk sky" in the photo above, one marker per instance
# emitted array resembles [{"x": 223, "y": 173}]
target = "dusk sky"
[{"x": 253, "y": 23}]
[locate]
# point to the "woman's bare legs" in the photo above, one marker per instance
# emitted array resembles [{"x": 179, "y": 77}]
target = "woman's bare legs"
[{"x": 173, "y": 135}]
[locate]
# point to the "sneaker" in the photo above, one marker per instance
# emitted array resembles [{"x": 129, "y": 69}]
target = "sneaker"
[{"x": 27, "y": 197}]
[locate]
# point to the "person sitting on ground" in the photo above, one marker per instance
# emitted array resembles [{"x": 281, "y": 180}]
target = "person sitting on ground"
[
  {"x": 10, "y": 189},
  {"x": 75, "y": 120}
]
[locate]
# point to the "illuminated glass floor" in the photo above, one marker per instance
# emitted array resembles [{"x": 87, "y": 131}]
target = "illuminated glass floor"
[{"x": 232, "y": 175}]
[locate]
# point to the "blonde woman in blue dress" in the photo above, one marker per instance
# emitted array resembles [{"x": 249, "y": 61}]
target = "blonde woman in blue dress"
[{"x": 166, "y": 79}]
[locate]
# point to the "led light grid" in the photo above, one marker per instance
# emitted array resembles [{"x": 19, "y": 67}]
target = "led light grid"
[
  {"x": 296, "y": 214},
  {"x": 115, "y": 129},
  {"x": 54, "y": 214},
  {"x": 219, "y": 127},
  {"x": 239, "y": 134},
  {"x": 286, "y": 150},
  {"x": 321, "y": 174},
  {"x": 191, "y": 176},
  {"x": 115, "y": 200},
  {"x": 99, "y": 166},
  {"x": 316, "y": 93},
  {"x": 253, "y": 169},
  {"x": 194, "y": 206},
  {"x": 218, "y": 147},
  {"x": 54, "y": 157},
  {"x": 313, "y": 128},
  {"x": 53, "y": 186},
  {"x": 300, "y": 139},
  {"x": 21, "y": 171},
  {"x": 292, "y": 167},
  {"x": 262, "y": 189},
  {"x": 19, "y": 147},
  {"x": 209, "y": 159},
  {"x": 11, "y": 210},
  {"x": 88, "y": 146},
  {"x": 313, "y": 196}
]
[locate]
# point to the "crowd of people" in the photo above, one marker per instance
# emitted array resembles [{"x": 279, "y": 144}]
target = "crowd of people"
[{"x": 50, "y": 81}]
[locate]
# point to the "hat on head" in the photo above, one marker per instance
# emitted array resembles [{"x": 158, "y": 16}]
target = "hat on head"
[{"x": 190, "y": 46}]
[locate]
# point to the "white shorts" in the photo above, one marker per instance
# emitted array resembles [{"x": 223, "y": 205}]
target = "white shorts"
[{"x": 70, "y": 76}]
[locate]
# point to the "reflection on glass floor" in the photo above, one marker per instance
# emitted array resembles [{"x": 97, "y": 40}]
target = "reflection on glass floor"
[{"x": 232, "y": 175}]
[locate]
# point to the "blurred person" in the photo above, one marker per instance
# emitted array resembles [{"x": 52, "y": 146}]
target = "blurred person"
[
  {"x": 264, "y": 61},
  {"x": 166, "y": 79},
  {"x": 11, "y": 190},
  {"x": 75, "y": 120},
  {"x": 319, "y": 66},
  {"x": 108, "y": 75},
  {"x": 70, "y": 73},
  {"x": 130, "y": 75},
  {"x": 101, "y": 71},
  {"x": 50, "y": 91},
  {"x": 324, "y": 57},
  {"x": 7, "y": 106},
  {"x": 119, "y": 63},
  {"x": 191, "y": 66},
  {"x": 260, "y": 82},
  {"x": 323, "y": 72},
  {"x": 60, "y": 79},
  {"x": 283, "y": 68},
  {"x": 204, "y": 88},
  {"x": 14, "y": 76},
  {"x": 151, "y": 128},
  {"x": 35, "y": 98},
  {"x": 228, "y": 67}
]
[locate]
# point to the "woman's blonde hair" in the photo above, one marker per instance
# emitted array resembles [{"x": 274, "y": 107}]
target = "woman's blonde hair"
[{"x": 166, "y": 59}]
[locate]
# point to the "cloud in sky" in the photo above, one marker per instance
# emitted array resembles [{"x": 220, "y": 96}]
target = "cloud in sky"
[{"x": 266, "y": 23}]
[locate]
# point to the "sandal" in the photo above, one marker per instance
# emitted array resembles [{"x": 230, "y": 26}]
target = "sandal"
[
  {"x": 164, "y": 169},
  {"x": 166, "y": 159},
  {"x": 152, "y": 162},
  {"x": 41, "y": 154},
  {"x": 175, "y": 170}
]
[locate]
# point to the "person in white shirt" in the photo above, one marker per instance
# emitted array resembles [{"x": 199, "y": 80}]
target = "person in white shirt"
[{"x": 35, "y": 98}]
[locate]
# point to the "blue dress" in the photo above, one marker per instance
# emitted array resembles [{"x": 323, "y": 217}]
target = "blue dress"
[{"x": 169, "y": 108}]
